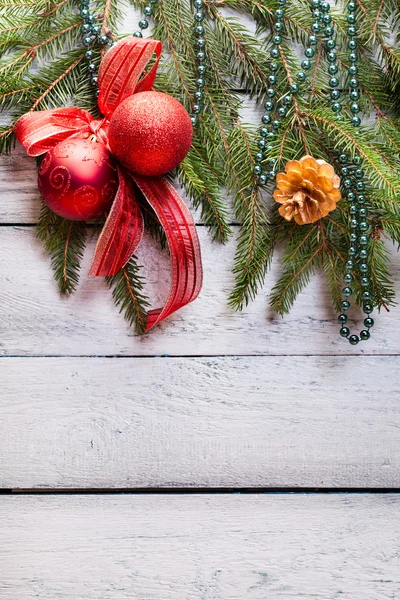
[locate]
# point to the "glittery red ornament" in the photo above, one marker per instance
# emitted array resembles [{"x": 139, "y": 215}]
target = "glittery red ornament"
[
  {"x": 78, "y": 179},
  {"x": 150, "y": 133}
]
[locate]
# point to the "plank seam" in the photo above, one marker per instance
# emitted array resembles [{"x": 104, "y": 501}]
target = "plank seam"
[
  {"x": 194, "y": 356},
  {"x": 198, "y": 491}
]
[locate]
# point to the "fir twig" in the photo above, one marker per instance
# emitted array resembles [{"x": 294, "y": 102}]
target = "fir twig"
[
  {"x": 65, "y": 242},
  {"x": 46, "y": 35},
  {"x": 127, "y": 290}
]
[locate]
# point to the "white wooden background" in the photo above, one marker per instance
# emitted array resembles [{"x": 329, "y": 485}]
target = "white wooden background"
[{"x": 212, "y": 399}]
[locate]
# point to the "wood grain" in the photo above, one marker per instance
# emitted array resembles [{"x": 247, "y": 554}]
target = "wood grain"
[
  {"x": 205, "y": 547},
  {"x": 283, "y": 419},
  {"x": 20, "y": 197},
  {"x": 211, "y": 422},
  {"x": 35, "y": 320}
]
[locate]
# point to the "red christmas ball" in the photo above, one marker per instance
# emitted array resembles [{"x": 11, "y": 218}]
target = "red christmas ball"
[
  {"x": 78, "y": 179},
  {"x": 150, "y": 133}
]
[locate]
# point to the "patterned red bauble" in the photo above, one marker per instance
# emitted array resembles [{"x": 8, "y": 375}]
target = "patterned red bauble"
[
  {"x": 150, "y": 133},
  {"x": 78, "y": 179}
]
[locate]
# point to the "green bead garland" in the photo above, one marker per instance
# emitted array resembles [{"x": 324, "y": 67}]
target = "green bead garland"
[
  {"x": 351, "y": 171},
  {"x": 91, "y": 38},
  {"x": 320, "y": 14},
  {"x": 201, "y": 67}
]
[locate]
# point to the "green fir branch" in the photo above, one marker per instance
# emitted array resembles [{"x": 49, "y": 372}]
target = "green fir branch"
[
  {"x": 65, "y": 242},
  {"x": 42, "y": 66},
  {"x": 202, "y": 185},
  {"x": 301, "y": 257},
  {"x": 127, "y": 291}
]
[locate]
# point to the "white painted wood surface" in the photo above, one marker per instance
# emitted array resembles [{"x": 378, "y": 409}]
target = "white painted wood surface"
[
  {"x": 35, "y": 320},
  {"x": 296, "y": 416},
  {"x": 18, "y": 188},
  {"x": 200, "y": 547},
  {"x": 205, "y": 422}
]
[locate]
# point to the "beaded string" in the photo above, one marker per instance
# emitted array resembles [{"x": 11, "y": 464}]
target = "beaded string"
[
  {"x": 92, "y": 36},
  {"x": 358, "y": 255},
  {"x": 351, "y": 170},
  {"x": 200, "y": 55}
]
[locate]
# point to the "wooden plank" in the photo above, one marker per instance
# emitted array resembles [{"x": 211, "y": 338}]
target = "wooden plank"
[
  {"x": 20, "y": 197},
  {"x": 35, "y": 320},
  {"x": 210, "y": 547},
  {"x": 211, "y": 422}
]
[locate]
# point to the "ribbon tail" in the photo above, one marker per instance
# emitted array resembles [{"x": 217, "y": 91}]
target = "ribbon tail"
[
  {"x": 177, "y": 221},
  {"x": 122, "y": 232},
  {"x": 40, "y": 131}
]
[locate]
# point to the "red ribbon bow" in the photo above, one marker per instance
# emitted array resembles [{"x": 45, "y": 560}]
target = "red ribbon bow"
[{"x": 119, "y": 77}]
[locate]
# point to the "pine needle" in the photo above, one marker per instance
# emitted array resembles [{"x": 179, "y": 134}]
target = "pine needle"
[
  {"x": 41, "y": 66},
  {"x": 127, "y": 290},
  {"x": 65, "y": 242}
]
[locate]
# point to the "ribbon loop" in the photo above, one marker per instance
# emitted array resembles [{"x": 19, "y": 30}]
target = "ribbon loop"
[
  {"x": 40, "y": 131},
  {"x": 121, "y": 69}
]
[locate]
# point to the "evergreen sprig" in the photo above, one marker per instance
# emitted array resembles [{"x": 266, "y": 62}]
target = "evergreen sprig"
[
  {"x": 127, "y": 290},
  {"x": 65, "y": 241},
  {"x": 41, "y": 67}
]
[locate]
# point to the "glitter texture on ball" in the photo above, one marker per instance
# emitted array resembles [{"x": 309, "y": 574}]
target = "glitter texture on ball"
[{"x": 150, "y": 133}]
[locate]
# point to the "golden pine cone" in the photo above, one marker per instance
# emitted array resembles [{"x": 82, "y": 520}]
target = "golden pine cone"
[{"x": 308, "y": 190}]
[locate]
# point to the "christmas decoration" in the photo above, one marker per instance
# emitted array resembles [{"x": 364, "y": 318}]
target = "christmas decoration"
[
  {"x": 150, "y": 133},
  {"x": 307, "y": 191},
  {"x": 313, "y": 106},
  {"x": 78, "y": 179}
]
